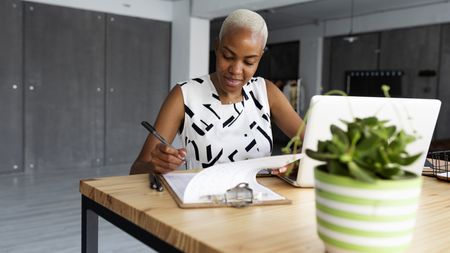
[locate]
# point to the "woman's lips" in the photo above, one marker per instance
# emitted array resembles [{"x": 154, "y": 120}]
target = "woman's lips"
[{"x": 232, "y": 82}]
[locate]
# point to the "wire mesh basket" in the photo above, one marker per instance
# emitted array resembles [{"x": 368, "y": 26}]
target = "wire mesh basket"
[{"x": 437, "y": 165}]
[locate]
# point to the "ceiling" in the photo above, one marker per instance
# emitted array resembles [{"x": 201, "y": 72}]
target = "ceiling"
[{"x": 322, "y": 10}]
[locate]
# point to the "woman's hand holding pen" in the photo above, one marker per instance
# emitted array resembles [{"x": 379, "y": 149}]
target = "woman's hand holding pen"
[{"x": 166, "y": 158}]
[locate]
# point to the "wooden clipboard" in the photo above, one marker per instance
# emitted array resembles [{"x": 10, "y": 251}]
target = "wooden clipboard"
[{"x": 181, "y": 204}]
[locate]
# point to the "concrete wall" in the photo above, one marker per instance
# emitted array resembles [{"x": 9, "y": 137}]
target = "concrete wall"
[
  {"x": 311, "y": 36},
  {"x": 152, "y": 9}
]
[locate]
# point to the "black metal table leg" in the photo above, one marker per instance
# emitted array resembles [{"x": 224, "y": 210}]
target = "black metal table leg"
[
  {"x": 89, "y": 228},
  {"x": 90, "y": 210}
]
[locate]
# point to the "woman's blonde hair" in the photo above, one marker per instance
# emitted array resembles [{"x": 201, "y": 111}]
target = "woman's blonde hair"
[{"x": 244, "y": 18}]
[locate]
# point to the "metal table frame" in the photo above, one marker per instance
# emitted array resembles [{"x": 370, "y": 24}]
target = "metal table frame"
[{"x": 90, "y": 210}]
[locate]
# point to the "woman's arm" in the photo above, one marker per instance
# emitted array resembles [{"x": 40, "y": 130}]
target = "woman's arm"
[
  {"x": 155, "y": 156},
  {"x": 282, "y": 113}
]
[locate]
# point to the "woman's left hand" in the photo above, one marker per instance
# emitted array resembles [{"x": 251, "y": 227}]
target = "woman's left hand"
[{"x": 279, "y": 170}]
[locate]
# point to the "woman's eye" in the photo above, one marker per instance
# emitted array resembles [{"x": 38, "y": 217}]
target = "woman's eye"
[
  {"x": 249, "y": 63},
  {"x": 228, "y": 57}
]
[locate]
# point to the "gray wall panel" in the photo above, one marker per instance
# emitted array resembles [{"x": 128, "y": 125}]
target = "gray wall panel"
[
  {"x": 11, "y": 88},
  {"x": 138, "y": 65},
  {"x": 442, "y": 129},
  {"x": 326, "y": 65},
  {"x": 412, "y": 50},
  {"x": 64, "y": 77}
]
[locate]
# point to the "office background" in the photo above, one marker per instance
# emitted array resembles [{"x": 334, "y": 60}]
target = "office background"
[{"x": 77, "y": 77}]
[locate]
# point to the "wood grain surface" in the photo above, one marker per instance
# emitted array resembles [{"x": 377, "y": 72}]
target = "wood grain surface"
[{"x": 280, "y": 228}]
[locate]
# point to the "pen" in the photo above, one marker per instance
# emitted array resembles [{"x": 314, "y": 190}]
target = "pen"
[
  {"x": 154, "y": 181},
  {"x": 155, "y": 133}
]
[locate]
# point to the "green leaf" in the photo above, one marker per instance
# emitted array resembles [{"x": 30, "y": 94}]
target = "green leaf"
[
  {"x": 359, "y": 173},
  {"x": 335, "y": 148},
  {"x": 367, "y": 144},
  {"x": 340, "y": 134},
  {"x": 407, "y": 160},
  {"x": 389, "y": 171},
  {"x": 320, "y": 156},
  {"x": 337, "y": 168}
]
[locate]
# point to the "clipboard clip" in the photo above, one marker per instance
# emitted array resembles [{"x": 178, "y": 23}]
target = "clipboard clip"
[{"x": 239, "y": 196}]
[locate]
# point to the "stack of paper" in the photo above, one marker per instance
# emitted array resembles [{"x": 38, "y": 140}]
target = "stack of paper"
[{"x": 216, "y": 180}]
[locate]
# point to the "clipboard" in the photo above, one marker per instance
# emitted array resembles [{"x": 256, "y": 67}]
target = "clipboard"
[{"x": 222, "y": 202}]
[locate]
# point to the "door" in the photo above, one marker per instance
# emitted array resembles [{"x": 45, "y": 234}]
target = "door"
[
  {"x": 11, "y": 87},
  {"x": 64, "y": 77},
  {"x": 138, "y": 74}
]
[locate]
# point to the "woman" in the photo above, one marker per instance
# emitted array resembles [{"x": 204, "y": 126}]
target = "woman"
[{"x": 224, "y": 116}]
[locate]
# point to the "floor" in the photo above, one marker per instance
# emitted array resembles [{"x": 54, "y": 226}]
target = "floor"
[{"x": 41, "y": 212}]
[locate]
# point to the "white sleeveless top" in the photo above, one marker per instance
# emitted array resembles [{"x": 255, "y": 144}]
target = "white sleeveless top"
[{"x": 217, "y": 133}]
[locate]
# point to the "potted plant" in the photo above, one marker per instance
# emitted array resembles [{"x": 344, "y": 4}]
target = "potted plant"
[{"x": 365, "y": 201}]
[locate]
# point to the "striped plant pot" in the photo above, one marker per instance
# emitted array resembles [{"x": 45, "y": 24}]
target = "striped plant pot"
[{"x": 354, "y": 216}]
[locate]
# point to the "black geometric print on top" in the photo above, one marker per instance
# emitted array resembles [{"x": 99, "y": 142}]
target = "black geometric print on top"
[
  {"x": 265, "y": 135},
  {"x": 211, "y": 109},
  {"x": 239, "y": 114},
  {"x": 208, "y": 126},
  {"x": 188, "y": 111},
  {"x": 199, "y": 80},
  {"x": 216, "y": 96},
  {"x": 228, "y": 121},
  {"x": 244, "y": 94},
  {"x": 208, "y": 153},
  {"x": 252, "y": 124},
  {"x": 185, "y": 141},
  {"x": 258, "y": 105},
  {"x": 231, "y": 156},
  {"x": 181, "y": 84},
  {"x": 265, "y": 117},
  {"x": 251, "y": 81},
  {"x": 250, "y": 146},
  {"x": 197, "y": 156},
  {"x": 206, "y": 165},
  {"x": 236, "y": 110},
  {"x": 197, "y": 129}
]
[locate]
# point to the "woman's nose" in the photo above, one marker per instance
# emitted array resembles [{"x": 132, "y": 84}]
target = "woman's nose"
[{"x": 235, "y": 68}]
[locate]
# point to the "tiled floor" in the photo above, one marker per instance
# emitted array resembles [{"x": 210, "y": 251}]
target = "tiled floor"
[{"x": 41, "y": 212}]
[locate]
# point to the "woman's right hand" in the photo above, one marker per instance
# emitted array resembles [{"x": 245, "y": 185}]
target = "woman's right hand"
[{"x": 165, "y": 158}]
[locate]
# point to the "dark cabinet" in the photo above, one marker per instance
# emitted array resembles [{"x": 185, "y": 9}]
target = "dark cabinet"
[
  {"x": 420, "y": 54},
  {"x": 415, "y": 51},
  {"x": 138, "y": 73},
  {"x": 11, "y": 87},
  {"x": 343, "y": 56},
  {"x": 64, "y": 82},
  {"x": 443, "y": 90},
  {"x": 88, "y": 80},
  {"x": 280, "y": 61}
]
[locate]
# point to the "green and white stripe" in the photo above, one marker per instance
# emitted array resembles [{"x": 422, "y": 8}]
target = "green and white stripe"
[{"x": 353, "y": 216}]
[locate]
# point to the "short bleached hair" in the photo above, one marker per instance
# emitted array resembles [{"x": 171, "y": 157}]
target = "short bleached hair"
[{"x": 244, "y": 18}]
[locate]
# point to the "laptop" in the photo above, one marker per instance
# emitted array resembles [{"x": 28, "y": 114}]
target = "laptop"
[{"x": 412, "y": 115}]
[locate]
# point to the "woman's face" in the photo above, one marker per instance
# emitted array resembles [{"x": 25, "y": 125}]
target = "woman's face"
[{"x": 237, "y": 58}]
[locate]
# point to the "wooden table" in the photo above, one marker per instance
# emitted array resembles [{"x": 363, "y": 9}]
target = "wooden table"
[{"x": 154, "y": 218}]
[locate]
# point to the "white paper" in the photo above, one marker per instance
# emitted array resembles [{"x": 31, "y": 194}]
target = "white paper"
[{"x": 219, "y": 178}]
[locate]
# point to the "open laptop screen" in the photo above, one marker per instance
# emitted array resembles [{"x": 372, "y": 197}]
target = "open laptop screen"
[{"x": 416, "y": 116}]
